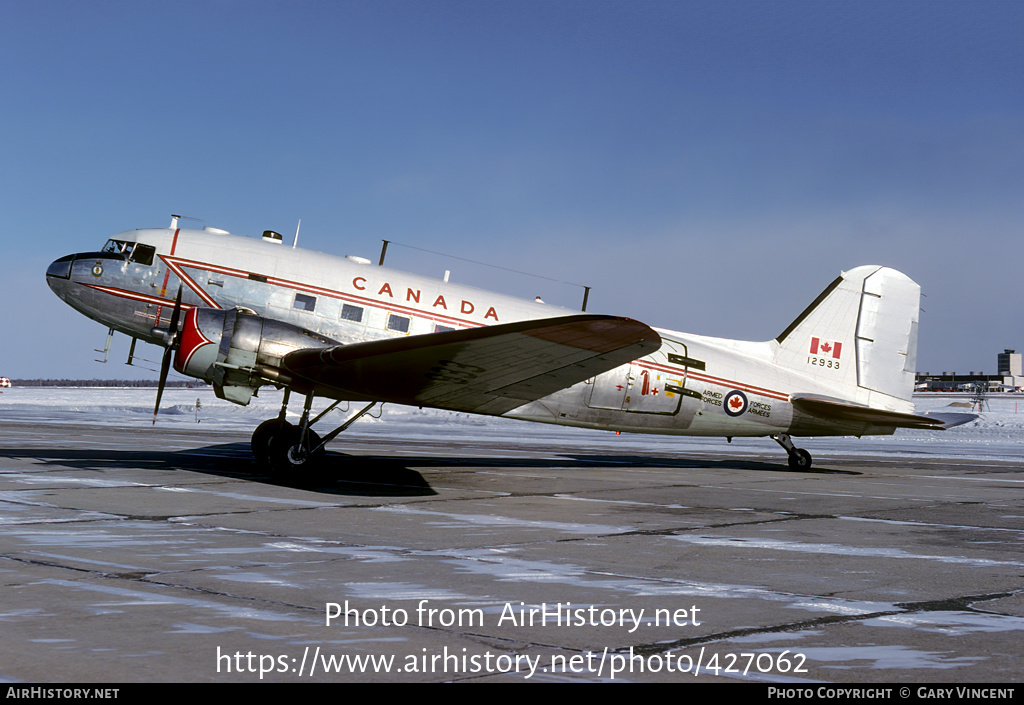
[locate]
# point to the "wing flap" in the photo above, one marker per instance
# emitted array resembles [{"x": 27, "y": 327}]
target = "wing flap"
[
  {"x": 483, "y": 370},
  {"x": 839, "y": 410}
]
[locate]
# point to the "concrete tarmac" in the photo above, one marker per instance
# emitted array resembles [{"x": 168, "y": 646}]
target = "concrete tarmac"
[{"x": 140, "y": 554}]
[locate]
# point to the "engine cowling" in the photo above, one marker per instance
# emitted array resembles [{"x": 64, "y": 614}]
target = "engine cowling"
[{"x": 237, "y": 351}]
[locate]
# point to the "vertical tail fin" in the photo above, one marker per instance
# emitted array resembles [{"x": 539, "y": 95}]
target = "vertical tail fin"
[{"x": 859, "y": 337}]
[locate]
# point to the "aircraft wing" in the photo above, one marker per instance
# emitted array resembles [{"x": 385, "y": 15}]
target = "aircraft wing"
[
  {"x": 838, "y": 410},
  {"x": 487, "y": 370}
]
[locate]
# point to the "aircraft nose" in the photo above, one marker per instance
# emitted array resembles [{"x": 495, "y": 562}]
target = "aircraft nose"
[
  {"x": 58, "y": 276},
  {"x": 60, "y": 268}
]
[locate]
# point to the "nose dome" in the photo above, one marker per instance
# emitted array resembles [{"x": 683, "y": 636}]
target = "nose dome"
[{"x": 60, "y": 268}]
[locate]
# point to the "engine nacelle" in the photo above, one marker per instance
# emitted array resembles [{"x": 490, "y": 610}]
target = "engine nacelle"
[{"x": 237, "y": 351}]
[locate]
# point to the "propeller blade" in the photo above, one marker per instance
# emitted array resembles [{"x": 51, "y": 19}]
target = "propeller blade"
[
  {"x": 164, "y": 366},
  {"x": 175, "y": 315},
  {"x": 172, "y": 343}
]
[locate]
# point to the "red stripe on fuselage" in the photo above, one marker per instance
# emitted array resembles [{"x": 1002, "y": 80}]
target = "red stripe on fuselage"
[
  {"x": 701, "y": 377},
  {"x": 331, "y": 293},
  {"x": 173, "y": 264},
  {"x": 135, "y": 296},
  {"x": 167, "y": 274}
]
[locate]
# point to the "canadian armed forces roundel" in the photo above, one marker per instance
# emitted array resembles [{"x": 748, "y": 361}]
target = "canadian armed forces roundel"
[{"x": 735, "y": 403}]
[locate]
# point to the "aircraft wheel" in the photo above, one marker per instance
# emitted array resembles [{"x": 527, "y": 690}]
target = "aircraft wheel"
[
  {"x": 291, "y": 462},
  {"x": 262, "y": 438},
  {"x": 800, "y": 459}
]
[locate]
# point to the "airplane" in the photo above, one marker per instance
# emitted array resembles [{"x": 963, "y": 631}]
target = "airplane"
[{"x": 240, "y": 313}]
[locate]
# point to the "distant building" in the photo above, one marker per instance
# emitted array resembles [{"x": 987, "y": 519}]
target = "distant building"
[
  {"x": 1008, "y": 363},
  {"x": 1009, "y": 377}
]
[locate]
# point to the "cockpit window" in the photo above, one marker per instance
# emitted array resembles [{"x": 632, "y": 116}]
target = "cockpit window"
[
  {"x": 141, "y": 254},
  {"x": 116, "y": 246}
]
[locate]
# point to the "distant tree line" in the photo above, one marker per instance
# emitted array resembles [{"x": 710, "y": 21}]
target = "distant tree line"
[{"x": 102, "y": 383}]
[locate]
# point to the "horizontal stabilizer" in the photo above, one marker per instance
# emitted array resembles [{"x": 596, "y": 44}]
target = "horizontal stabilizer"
[
  {"x": 838, "y": 410},
  {"x": 949, "y": 420},
  {"x": 487, "y": 370}
]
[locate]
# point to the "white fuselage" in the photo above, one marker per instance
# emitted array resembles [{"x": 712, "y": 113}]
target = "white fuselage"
[{"x": 693, "y": 385}]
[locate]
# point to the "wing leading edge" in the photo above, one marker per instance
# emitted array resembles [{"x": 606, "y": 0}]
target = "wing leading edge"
[{"x": 487, "y": 370}]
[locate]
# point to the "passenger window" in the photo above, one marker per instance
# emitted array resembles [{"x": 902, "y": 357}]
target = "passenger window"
[
  {"x": 442, "y": 329},
  {"x": 304, "y": 302},
  {"x": 351, "y": 313},
  {"x": 398, "y": 323}
]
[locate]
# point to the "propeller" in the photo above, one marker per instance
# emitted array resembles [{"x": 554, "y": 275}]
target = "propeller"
[{"x": 173, "y": 339}]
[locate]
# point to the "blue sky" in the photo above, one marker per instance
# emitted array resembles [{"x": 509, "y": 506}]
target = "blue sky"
[{"x": 706, "y": 166}]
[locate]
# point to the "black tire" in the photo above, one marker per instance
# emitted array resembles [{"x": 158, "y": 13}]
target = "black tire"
[
  {"x": 800, "y": 459},
  {"x": 291, "y": 463},
  {"x": 262, "y": 438}
]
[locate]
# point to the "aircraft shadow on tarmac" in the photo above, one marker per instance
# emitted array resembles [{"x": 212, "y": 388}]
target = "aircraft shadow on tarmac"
[{"x": 370, "y": 475}]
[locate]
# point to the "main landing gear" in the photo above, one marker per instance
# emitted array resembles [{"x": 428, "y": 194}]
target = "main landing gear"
[
  {"x": 293, "y": 452},
  {"x": 799, "y": 459}
]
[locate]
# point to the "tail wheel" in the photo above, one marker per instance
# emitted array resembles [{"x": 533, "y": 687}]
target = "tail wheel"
[{"x": 800, "y": 459}]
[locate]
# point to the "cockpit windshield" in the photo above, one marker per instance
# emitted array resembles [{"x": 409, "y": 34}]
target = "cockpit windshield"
[{"x": 132, "y": 251}]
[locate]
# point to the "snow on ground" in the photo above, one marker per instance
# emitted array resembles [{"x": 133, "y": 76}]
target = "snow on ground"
[{"x": 997, "y": 433}]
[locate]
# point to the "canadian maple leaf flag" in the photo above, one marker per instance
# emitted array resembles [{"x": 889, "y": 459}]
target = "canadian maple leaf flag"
[{"x": 824, "y": 347}]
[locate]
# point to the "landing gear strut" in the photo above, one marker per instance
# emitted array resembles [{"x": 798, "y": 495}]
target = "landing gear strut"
[
  {"x": 295, "y": 451},
  {"x": 799, "y": 459}
]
